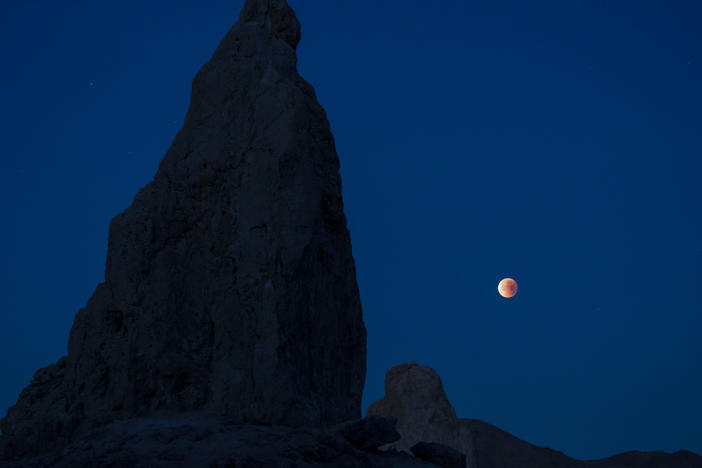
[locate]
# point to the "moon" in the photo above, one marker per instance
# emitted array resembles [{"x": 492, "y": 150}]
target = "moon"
[{"x": 507, "y": 287}]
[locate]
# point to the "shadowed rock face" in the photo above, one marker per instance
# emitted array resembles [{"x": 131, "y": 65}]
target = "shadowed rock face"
[
  {"x": 371, "y": 432},
  {"x": 229, "y": 283},
  {"x": 184, "y": 442},
  {"x": 438, "y": 454}
]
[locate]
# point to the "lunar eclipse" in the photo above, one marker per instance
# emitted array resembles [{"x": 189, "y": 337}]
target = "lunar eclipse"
[{"x": 507, "y": 287}]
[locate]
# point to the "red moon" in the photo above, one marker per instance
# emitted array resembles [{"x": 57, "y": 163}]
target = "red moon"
[{"x": 507, "y": 287}]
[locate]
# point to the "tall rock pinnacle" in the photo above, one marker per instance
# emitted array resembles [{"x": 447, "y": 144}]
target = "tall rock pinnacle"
[{"x": 229, "y": 287}]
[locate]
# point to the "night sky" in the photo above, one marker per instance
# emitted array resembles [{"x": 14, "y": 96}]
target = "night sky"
[{"x": 558, "y": 143}]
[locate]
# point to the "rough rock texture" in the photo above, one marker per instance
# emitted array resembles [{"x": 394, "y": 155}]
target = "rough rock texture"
[
  {"x": 229, "y": 286},
  {"x": 439, "y": 454},
  {"x": 371, "y": 432},
  {"x": 415, "y": 396},
  {"x": 186, "y": 442}
]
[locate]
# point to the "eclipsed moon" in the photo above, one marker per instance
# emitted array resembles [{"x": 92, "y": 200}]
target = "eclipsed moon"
[{"x": 507, "y": 287}]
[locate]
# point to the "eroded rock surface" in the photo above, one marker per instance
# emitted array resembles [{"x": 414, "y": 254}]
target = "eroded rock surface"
[{"x": 229, "y": 287}]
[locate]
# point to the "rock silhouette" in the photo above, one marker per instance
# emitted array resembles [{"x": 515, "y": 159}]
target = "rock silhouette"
[
  {"x": 230, "y": 287},
  {"x": 415, "y": 396}
]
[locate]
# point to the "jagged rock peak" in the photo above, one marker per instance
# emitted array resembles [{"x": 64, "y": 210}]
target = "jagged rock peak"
[{"x": 276, "y": 15}]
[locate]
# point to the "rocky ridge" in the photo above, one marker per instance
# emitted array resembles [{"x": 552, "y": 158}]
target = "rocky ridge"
[{"x": 415, "y": 396}]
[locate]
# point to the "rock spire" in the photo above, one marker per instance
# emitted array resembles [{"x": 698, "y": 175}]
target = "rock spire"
[{"x": 230, "y": 288}]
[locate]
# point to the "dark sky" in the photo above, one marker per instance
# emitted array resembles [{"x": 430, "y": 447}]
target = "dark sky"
[{"x": 559, "y": 143}]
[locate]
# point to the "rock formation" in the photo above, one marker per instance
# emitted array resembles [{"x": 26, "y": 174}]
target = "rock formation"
[
  {"x": 415, "y": 396},
  {"x": 188, "y": 442},
  {"x": 229, "y": 286}
]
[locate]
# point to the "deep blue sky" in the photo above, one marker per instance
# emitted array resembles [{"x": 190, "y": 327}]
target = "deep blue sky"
[{"x": 559, "y": 143}]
